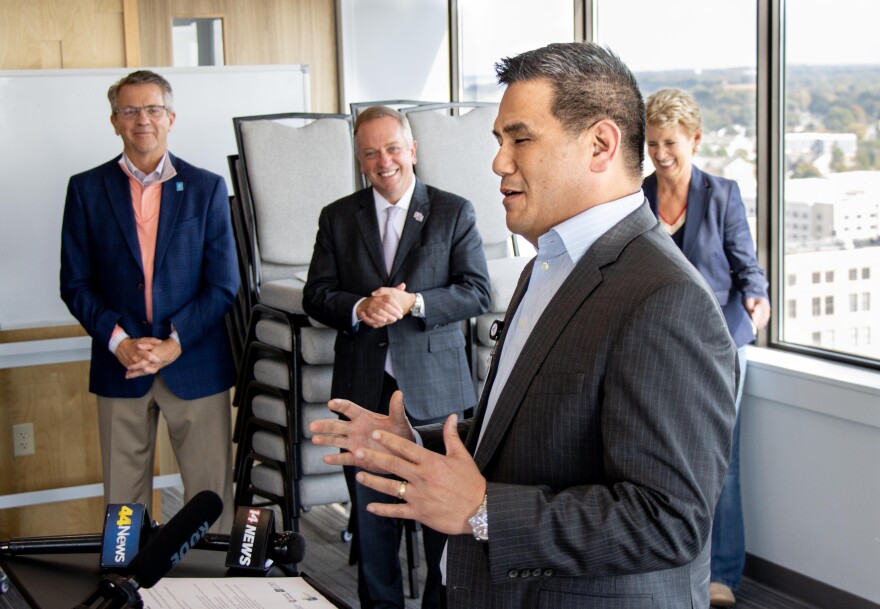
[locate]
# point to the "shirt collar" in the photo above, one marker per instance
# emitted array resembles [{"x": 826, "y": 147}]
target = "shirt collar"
[
  {"x": 405, "y": 199},
  {"x": 163, "y": 171},
  {"x": 578, "y": 233}
]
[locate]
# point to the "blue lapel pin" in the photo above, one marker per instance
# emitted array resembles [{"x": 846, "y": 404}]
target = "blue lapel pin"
[{"x": 179, "y": 186}]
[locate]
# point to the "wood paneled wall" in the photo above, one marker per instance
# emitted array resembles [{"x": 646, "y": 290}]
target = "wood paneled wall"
[
  {"x": 256, "y": 32},
  {"x": 56, "y": 400},
  {"x": 43, "y": 34}
]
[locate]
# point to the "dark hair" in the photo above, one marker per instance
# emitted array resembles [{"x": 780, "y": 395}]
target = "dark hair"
[
  {"x": 590, "y": 83},
  {"x": 141, "y": 77}
]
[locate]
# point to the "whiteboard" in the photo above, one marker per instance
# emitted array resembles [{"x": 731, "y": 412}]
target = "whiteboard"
[{"x": 56, "y": 123}]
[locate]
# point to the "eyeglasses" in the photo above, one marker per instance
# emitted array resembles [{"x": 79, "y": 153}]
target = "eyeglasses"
[{"x": 132, "y": 112}]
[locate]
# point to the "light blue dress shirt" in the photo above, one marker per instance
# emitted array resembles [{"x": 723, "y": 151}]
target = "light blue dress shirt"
[{"x": 559, "y": 251}]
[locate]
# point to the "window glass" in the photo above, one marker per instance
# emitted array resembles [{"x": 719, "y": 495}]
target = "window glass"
[
  {"x": 492, "y": 29},
  {"x": 717, "y": 65},
  {"x": 831, "y": 160},
  {"x": 486, "y": 34},
  {"x": 197, "y": 41}
]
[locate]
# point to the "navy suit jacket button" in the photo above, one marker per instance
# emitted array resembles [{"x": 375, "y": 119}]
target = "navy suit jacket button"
[
  {"x": 536, "y": 572},
  {"x": 525, "y": 573},
  {"x": 383, "y": 344},
  {"x": 140, "y": 286},
  {"x": 513, "y": 573},
  {"x": 548, "y": 572}
]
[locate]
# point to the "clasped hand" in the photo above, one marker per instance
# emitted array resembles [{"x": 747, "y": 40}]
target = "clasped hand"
[
  {"x": 145, "y": 356},
  {"x": 442, "y": 491},
  {"x": 385, "y": 306}
]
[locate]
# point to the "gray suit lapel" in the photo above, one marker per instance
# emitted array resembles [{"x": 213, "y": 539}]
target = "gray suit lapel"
[
  {"x": 582, "y": 281},
  {"x": 417, "y": 215},
  {"x": 369, "y": 228}
]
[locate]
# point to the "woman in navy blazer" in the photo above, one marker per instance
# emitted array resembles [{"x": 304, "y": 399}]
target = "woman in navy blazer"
[{"x": 706, "y": 218}]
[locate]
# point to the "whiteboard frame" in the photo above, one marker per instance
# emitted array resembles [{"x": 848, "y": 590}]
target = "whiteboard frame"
[{"x": 56, "y": 123}]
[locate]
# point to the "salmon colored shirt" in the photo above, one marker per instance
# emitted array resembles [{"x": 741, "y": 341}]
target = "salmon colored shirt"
[{"x": 146, "y": 198}]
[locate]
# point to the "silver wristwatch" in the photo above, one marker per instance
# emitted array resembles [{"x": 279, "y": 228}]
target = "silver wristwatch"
[
  {"x": 418, "y": 306},
  {"x": 480, "y": 521}
]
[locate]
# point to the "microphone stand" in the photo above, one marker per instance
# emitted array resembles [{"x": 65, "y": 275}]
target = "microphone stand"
[{"x": 114, "y": 592}]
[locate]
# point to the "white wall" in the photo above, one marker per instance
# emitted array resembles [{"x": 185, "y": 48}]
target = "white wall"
[
  {"x": 810, "y": 469},
  {"x": 393, "y": 49}
]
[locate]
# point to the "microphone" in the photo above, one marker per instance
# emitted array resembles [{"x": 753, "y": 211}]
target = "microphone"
[
  {"x": 287, "y": 547},
  {"x": 127, "y": 528},
  {"x": 162, "y": 552},
  {"x": 253, "y": 547}
]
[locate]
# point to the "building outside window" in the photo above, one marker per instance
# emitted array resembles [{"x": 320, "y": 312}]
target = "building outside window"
[{"x": 831, "y": 165}]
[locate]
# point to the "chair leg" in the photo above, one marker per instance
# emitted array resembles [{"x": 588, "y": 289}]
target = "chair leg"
[{"x": 412, "y": 528}]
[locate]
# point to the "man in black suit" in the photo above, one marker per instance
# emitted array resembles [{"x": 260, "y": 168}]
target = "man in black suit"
[
  {"x": 589, "y": 474},
  {"x": 396, "y": 269}
]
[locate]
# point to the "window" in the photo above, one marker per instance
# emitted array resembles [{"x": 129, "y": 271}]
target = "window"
[
  {"x": 717, "y": 65},
  {"x": 485, "y": 28},
  {"x": 830, "y": 161},
  {"x": 792, "y": 308},
  {"x": 828, "y": 338},
  {"x": 792, "y": 280},
  {"x": 197, "y": 41},
  {"x": 853, "y": 337},
  {"x": 866, "y": 301}
]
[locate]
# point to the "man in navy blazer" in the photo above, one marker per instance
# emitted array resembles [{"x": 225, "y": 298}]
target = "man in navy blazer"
[
  {"x": 397, "y": 290},
  {"x": 148, "y": 268}
]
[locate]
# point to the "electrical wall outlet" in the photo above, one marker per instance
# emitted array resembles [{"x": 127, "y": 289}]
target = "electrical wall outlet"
[{"x": 22, "y": 439}]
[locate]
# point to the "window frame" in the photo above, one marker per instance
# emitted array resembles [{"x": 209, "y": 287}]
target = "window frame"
[
  {"x": 770, "y": 202},
  {"x": 770, "y": 126}
]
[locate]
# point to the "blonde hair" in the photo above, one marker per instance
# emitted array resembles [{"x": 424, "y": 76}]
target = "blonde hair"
[{"x": 669, "y": 107}]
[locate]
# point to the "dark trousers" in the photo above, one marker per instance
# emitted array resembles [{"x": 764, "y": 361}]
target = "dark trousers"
[{"x": 380, "y": 579}]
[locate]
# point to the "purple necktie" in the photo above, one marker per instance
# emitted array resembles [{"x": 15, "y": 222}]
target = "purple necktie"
[{"x": 390, "y": 239}]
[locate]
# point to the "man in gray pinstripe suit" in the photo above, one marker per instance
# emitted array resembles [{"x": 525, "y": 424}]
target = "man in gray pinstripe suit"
[{"x": 589, "y": 474}]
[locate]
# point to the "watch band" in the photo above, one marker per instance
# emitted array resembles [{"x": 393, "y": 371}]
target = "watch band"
[
  {"x": 480, "y": 521},
  {"x": 418, "y": 306}
]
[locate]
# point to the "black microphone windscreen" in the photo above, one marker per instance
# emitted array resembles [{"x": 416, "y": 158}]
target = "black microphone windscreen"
[
  {"x": 175, "y": 539},
  {"x": 292, "y": 546}
]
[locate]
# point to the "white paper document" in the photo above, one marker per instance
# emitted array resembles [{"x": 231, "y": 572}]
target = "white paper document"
[{"x": 233, "y": 593}]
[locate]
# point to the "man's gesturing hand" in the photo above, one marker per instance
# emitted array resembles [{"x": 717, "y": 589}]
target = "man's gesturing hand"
[
  {"x": 357, "y": 431},
  {"x": 442, "y": 491}
]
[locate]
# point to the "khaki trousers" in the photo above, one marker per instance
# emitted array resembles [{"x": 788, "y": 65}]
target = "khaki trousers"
[{"x": 200, "y": 432}]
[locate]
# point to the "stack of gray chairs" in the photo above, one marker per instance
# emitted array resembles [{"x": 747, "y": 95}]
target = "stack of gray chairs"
[
  {"x": 290, "y": 166},
  {"x": 455, "y": 152}
]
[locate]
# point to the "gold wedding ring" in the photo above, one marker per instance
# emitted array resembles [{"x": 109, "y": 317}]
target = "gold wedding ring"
[{"x": 401, "y": 491}]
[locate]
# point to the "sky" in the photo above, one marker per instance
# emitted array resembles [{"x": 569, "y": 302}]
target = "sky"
[{"x": 674, "y": 34}]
